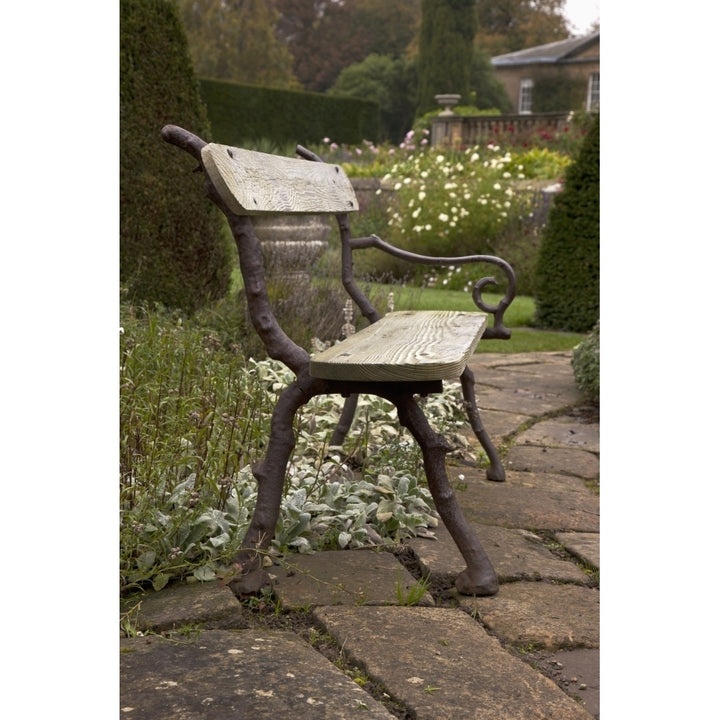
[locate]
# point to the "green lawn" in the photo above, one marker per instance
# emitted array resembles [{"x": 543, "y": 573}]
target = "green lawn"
[{"x": 518, "y": 318}]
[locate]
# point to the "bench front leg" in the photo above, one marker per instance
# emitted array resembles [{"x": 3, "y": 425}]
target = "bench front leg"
[
  {"x": 250, "y": 576},
  {"x": 479, "y": 577}
]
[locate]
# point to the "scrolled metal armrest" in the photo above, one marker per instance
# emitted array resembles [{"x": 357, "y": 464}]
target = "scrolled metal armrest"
[{"x": 498, "y": 330}]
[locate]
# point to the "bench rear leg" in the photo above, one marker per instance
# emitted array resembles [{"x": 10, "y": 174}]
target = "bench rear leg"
[
  {"x": 270, "y": 474},
  {"x": 345, "y": 422},
  {"x": 479, "y": 578},
  {"x": 496, "y": 471}
]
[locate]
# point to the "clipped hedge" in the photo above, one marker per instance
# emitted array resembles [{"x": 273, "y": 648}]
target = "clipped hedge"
[
  {"x": 586, "y": 365},
  {"x": 239, "y": 113},
  {"x": 173, "y": 248},
  {"x": 568, "y": 269}
]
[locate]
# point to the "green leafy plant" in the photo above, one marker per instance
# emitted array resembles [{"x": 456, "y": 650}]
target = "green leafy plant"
[
  {"x": 194, "y": 417},
  {"x": 586, "y": 365},
  {"x": 413, "y": 594}
]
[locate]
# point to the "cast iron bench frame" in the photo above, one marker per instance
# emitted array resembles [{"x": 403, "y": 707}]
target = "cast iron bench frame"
[{"x": 245, "y": 183}]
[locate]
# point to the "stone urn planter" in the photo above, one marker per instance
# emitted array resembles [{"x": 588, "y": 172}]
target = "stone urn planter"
[{"x": 292, "y": 243}]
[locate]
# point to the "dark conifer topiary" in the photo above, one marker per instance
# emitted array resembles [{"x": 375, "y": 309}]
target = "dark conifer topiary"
[
  {"x": 568, "y": 269},
  {"x": 172, "y": 246}
]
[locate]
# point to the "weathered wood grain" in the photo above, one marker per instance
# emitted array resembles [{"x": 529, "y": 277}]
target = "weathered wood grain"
[
  {"x": 404, "y": 346},
  {"x": 254, "y": 183}
]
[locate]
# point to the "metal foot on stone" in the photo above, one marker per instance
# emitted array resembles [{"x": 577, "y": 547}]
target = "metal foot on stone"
[
  {"x": 484, "y": 582},
  {"x": 250, "y": 583}
]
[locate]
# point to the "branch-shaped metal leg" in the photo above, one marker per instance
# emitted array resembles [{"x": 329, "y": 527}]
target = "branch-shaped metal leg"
[
  {"x": 479, "y": 577},
  {"x": 496, "y": 471},
  {"x": 270, "y": 474},
  {"x": 345, "y": 422}
]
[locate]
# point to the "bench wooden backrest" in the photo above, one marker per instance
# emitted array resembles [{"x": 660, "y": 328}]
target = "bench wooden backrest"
[{"x": 255, "y": 183}]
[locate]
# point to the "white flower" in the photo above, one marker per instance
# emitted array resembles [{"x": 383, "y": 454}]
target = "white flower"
[{"x": 443, "y": 217}]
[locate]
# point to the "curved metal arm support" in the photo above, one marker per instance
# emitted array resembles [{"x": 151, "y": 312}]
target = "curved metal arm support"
[
  {"x": 303, "y": 152},
  {"x": 498, "y": 331},
  {"x": 184, "y": 139}
]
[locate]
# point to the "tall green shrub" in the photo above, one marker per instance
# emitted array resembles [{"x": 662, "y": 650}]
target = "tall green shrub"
[
  {"x": 172, "y": 246},
  {"x": 391, "y": 83},
  {"x": 445, "y": 53},
  {"x": 568, "y": 271}
]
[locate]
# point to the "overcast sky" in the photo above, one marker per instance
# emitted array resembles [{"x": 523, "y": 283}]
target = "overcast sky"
[{"x": 581, "y": 14}]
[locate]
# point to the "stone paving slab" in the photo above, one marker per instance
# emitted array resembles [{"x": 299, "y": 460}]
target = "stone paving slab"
[
  {"x": 534, "y": 380},
  {"x": 224, "y": 675},
  {"x": 344, "y": 577},
  {"x": 440, "y": 663},
  {"x": 546, "y": 481},
  {"x": 578, "y": 672},
  {"x": 541, "y": 614},
  {"x": 560, "y": 357},
  {"x": 210, "y": 603},
  {"x": 562, "y": 432},
  {"x": 570, "y": 461},
  {"x": 586, "y": 546},
  {"x": 488, "y": 503},
  {"x": 515, "y": 554},
  {"x": 530, "y": 401},
  {"x": 544, "y": 372},
  {"x": 551, "y": 363},
  {"x": 499, "y": 424}
]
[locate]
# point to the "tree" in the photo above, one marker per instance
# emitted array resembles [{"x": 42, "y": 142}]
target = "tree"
[
  {"x": 325, "y": 37},
  {"x": 172, "y": 248},
  {"x": 488, "y": 91},
  {"x": 568, "y": 271},
  {"x": 391, "y": 83},
  {"x": 387, "y": 28},
  {"x": 445, "y": 53},
  {"x": 236, "y": 40},
  {"x": 508, "y": 25}
]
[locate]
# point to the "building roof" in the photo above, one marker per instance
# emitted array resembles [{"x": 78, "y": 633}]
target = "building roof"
[{"x": 556, "y": 52}]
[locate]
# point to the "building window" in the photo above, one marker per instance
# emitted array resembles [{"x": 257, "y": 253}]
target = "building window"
[
  {"x": 593, "y": 94},
  {"x": 525, "y": 98}
]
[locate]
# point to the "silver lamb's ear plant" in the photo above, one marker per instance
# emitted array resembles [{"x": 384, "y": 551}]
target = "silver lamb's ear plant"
[{"x": 193, "y": 414}]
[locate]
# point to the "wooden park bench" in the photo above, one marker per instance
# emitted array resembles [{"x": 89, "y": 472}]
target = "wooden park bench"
[{"x": 396, "y": 357}]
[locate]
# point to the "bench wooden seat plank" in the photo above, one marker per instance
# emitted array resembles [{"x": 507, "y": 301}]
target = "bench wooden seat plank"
[
  {"x": 255, "y": 183},
  {"x": 404, "y": 346}
]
